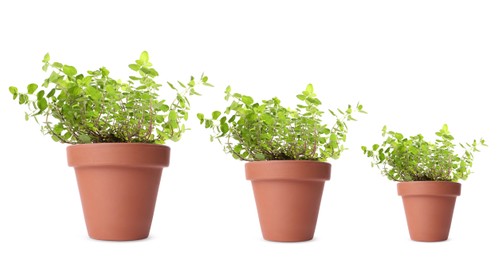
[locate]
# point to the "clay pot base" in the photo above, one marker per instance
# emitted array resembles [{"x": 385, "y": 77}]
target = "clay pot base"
[
  {"x": 288, "y": 196},
  {"x": 118, "y": 203},
  {"x": 429, "y": 208}
]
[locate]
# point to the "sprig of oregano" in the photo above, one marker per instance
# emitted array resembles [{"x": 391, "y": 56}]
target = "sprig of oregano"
[
  {"x": 94, "y": 108},
  {"x": 266, "y": 130},
  {"x": 414, "y": 159}
]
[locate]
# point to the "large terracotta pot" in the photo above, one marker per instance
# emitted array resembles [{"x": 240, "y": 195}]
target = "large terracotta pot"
[
  {"x": 429, "y": 208},
  {"x": 118, "y": 184},
  {"x": 288, "y": 195}
]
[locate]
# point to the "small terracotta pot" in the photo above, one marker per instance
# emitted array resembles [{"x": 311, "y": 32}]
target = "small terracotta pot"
[
  {"x": 429, "y": 208},
  {"x": 288, "y": 195},
  {"x": 118, "y": 184}
]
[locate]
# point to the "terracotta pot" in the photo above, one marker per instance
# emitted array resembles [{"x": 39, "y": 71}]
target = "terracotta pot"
[
  {"x": 118, "y": 184},
  {"x": 288, "y": 195},
  {"x": 429, "y": 208}
]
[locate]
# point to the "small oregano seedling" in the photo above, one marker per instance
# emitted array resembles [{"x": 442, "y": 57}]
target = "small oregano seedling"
[
  {"x": 95, "y": 108},
  {"x": 266, "y": 130},
  {"x": 415, "y": 159}
]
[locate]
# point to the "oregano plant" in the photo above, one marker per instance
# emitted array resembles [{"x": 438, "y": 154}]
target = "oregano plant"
[
  {"x": 93, "y": 107},
  {"x": 412, "y": 158},
  {"x": 267, "y": 130}
]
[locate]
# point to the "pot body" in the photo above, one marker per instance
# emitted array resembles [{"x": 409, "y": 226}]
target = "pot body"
[
  {"x": 118, "y": 185},
  {"x": 288, "y": 196},
  {"x": 429, "y": 208}
]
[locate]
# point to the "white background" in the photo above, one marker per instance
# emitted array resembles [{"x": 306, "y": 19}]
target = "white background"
[{"x": 413, "y": 64}]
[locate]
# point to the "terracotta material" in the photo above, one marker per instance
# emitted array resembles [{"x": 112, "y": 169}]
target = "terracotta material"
[
  {"x": 288, "y": 195},
  {"x": 429, "y": 208},
  {"x": 118, "y": 185}
]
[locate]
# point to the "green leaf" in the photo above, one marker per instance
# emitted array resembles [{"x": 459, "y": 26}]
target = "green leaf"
[
  {"x": 224, "y": 128},
  {"x": 134, "y": 67},
  {"x": 69, "y": 70},
  {"x": 42, "y": 104},
  {"x": 54, "y": 77},
  {"x": 171, "y": 86},
  {"x": 23, "y": 99},
  {"x": 145, "y": 70},
  {"x": 216, "y": 114},
  {"x": 200, "y": 116},
  {"x": 13, "y": 90},
  {"x": 57, "y": 65},
  {"x": 204, "y": 78},
  {"x": 46, "y": 58},
  {"x": 93, "y": 93},
  {"x": 32, "y": 88},
  {"x": 237, "y": 148},
  {"x": 181, "y": 84},
  {"x": 247, "y": 100},
  {"x": 76, "y": 91},
  {"x": 164, "y": 108},
  {"x": 209, "y": 123},
  {"x": 58, "y": 128},
  {"x": 382, "y": 157},
  {"x": 153, "y": 73},
  {"x": 84, "y": 138},
  {"x": 191, "y": 83},
  {"x": 267, "y": 119},
  {"x": 104, "y": 71},
  {"x": 144, "y": 57},
  {"x": 259, "y": 156},
  {"x": 445, "y": 128},
  {"x": 172, "y": 115},
  {"x": 309, "y": 88},
  {"x": 51, "y": 93},
  {"x": 314, "y": 101},
  {"x": 40, "y": 94}
]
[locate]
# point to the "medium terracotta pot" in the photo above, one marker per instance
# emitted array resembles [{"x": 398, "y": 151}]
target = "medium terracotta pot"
[
  {"x": 429, "y": 208},
  {"x": 288, "y": 195},
  {"x": 118, "y": 184}
]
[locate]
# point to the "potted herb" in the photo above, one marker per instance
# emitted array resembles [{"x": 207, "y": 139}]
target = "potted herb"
[
  {"x": 115, "y": 130},
  {"x": 285, "y": 150},
  {"x": 427, "y": 174}
]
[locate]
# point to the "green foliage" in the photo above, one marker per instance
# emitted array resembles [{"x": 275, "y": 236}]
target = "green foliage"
[
  {"x": 95, "y": 108},
  {"x": 267, "y": 130},
  {"x": 414, "y": 159}
]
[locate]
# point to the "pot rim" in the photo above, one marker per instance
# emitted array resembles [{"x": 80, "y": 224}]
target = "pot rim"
[
  {"x": 287, "y": 161},
  {"x": 285, "y": 170},
  {"x": 116, "y": 144},
  {"x": 118, "y": 154},
  {"x": 429, "y": 188}
]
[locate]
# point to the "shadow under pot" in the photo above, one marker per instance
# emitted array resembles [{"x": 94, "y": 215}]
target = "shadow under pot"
[
  {"x": 118, "y": 185},
  {"x": 288, "y": 196},
  {"x": 429, "y": 208}
]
